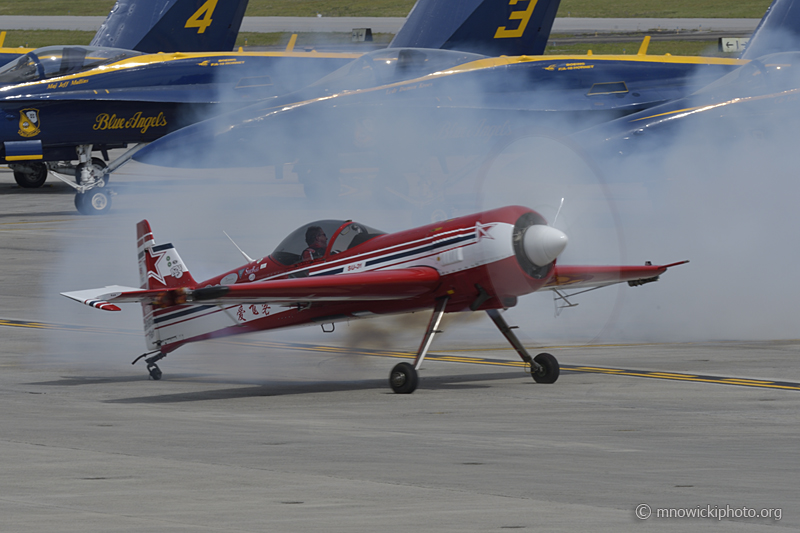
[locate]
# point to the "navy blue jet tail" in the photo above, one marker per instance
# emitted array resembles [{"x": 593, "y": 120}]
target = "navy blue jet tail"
[
  {"x": 778, "y": 31},
  {"x": 172, "y": 25},
  {"x": 489, "y": 27}
]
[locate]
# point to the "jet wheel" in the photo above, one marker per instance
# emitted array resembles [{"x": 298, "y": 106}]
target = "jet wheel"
[
  {"x": 93, "y": 202},
  {"x": 32, "y": 177},
  {"x": 550, "y": 369},
  {"x": 155, "y": 372},
  {"x": 97, "y": 167},
  {"x": 403, "y": 379}
]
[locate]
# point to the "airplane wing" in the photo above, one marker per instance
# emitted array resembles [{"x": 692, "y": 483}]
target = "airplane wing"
[
  {"x": 390, "y": 284},
  {"x": 584, "y": 277}
]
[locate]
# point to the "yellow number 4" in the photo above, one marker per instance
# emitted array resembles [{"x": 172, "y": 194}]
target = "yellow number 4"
[
  {"x": 205, "y": 11},
  {"x": 522, "y": 16}
]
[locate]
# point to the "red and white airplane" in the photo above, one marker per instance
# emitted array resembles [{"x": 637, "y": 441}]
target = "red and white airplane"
[{"x": 335, "y": 270}]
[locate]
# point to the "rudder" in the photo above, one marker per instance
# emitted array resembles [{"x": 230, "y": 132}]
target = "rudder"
[
  {"x": 160, "y": 266},
  {"x": 489, "y": 27},
  {"x": 172, "y": 25},
  {"x": 778, "y": 31}
]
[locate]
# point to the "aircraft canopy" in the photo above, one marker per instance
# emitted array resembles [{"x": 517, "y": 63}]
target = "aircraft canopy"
[
  {"x": 342, "y": 235},
  {"x": 392, "y": 65},
  {"x": 52, "y": 61},
  {"x": 765, "y": 75}
]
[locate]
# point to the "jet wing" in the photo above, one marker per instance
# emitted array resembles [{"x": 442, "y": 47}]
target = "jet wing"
[
  {"x": 581, "y": 277},
  {"x": 390, "y": 284}
]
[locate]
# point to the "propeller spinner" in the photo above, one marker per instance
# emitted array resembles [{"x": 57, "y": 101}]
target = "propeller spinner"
[{"x": 543, "y": 244}]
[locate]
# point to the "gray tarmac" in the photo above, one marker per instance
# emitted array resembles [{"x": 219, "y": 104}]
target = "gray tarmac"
[
  {"x": 259, "y": 434},
  {"x": 393, "y": 24}
]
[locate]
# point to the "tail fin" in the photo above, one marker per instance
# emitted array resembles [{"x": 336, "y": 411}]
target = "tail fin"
[
  {"x": 489, "y": 27},
  {"x": 160, "y": 266},
  {"x": 778, "y": 31},
  {"x": 172, "y": 25}
]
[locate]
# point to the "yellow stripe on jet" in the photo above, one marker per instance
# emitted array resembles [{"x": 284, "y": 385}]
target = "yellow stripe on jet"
[
  {"x": 23, "y": 157},
  {"x": 162, "y": 57},
  {"x": 669, "y": 113}
]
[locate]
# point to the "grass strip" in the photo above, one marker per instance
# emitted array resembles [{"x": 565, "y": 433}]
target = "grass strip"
[
  {"x": 400, "y": 8},
  {"x": 40, "y": 38}
]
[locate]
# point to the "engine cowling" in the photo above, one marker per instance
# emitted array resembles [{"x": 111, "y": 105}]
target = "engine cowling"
[{"x": 537, "y": 245}]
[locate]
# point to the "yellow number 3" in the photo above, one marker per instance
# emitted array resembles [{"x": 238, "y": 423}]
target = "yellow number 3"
[
  {"x": 522, "y": 16},
  {"x": 205, "y": 11}
]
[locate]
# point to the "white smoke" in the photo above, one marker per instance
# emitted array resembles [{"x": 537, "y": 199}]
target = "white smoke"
[{"x": 725, "y": 202}]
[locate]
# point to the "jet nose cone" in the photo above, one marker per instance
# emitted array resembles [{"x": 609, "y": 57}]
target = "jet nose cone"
[{"x": 542, "y": 244}]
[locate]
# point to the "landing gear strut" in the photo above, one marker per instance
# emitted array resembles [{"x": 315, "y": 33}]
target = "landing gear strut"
[
  {"x": 403, "y": 378},
  {"x": 543, "y": 368},
  {"x": 152, "y": 367}
]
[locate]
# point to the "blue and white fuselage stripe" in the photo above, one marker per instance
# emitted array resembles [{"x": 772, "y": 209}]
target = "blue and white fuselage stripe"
[{"x": 447, "y": 252}]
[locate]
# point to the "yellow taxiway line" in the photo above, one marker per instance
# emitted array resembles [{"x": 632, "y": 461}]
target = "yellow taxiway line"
[{"x": 343, "y": 350}]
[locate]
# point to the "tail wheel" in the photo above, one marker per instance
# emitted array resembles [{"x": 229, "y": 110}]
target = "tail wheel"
[
  {"x": 32, "y": 176},
  {"x": 97, "y": 166},
  {"x": 403, "y": 379},
  {"x": 550, "y": 369},
  {"x": 154, "y": 371},
  {"x": 93, "y": 202}
]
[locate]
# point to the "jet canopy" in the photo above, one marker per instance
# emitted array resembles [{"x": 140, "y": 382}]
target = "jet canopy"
[
  {"x": 52, "y": 61},
  {"x": 392, "y": 65},
  {"x": 341, "y": 235},
  {"x": 765, "y": 75}
]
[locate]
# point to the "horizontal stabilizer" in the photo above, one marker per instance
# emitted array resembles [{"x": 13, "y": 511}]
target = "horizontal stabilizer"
[
  {"x": 579, "y": 277},
  {"x": 101, "y": 298}
]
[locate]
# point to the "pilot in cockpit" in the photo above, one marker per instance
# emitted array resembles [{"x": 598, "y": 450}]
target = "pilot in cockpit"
[{"x": 317, "y": 242}]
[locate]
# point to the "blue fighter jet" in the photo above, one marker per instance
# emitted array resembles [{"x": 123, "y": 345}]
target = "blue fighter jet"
[
  {"x": 132, "y": 28},
  {"x": 163, "y": 26},
  {"x": 750, "y": 102},
  {"x": 54, "y": 113},
  {"x": 456, "y": 115}
]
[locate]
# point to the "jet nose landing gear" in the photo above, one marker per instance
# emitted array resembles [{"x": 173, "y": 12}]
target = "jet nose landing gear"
[{"x": 93, "y": 202}]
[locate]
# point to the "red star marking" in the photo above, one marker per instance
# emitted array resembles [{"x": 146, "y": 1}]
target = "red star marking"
[
  {"x": 155, "y": 258},
  {"x": 482, "y": 231}
]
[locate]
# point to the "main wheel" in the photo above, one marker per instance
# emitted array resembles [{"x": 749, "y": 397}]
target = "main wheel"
[
  {"x": 550, "y": 369},
  {"x": 155, "y": 372},
  {"x": 93, "y": 202},
  {"x": 403, "y": 379},
  {"x": 97, "y": 166},
  {"x": 33, "y": 177}
]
